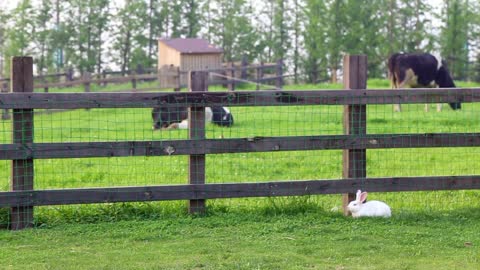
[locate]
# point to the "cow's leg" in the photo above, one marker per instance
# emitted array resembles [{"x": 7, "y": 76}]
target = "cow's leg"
[
  {"x": 439, "y": 107},
  {"x": 396, "y": 107},
  {"x": 407, "y": 79}
]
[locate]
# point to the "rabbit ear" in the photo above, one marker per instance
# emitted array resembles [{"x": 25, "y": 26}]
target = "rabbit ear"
[
  {"x": 363, "y": 196},
  {"x": 359, "y": 192}
]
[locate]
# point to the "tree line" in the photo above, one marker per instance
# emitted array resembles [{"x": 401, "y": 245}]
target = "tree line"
[{"x": 310, "y": 35}]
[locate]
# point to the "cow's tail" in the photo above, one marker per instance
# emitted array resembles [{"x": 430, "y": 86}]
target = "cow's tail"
[
  {"x": 445, "y": 80},
  {"x": 391, "y": 69}
]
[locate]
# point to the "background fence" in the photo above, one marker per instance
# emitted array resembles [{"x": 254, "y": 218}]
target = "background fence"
[
  {"x": 230, "y": 75},
  {"x": 315, "y": 141}
]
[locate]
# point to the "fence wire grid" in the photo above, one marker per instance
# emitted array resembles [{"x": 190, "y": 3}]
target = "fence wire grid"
[
  {"x": 252, "y": 122},
  {"x": 278, "y": 149}
]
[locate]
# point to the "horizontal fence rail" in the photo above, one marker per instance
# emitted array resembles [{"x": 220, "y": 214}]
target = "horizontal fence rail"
[
  {"x": 234, "y": 190},
  {"x": 244, "y": 98},
  {"x": 240, "y": 145}
]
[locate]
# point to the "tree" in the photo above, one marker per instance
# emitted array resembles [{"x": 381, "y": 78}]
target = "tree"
[
  {"x": 155, "y": 28},
  {"x": 389, "y": 16},
  {"x": 99, "y": 20},
  {"x": 175, "y": 17},
  {"x": 60, "y": 34},
  {"x": 232, "y": 30},
  {"x": 85, "y": 28},
  {"x": 474, "y": 40},
  {"x": 414, "y": 35},
  {"x": 387, "y": 35},
  {"x": 3, "y": 30},
  {"x": 336, "y": 30},
  {"x": 206, "y": 9},
  {"x": 130, "y": 41},
  {"x": 275, "y": 29},
  {"x": 297, "y": 30},
  {"x": 454, "y": 36},
  {"x": 310, "y": 35},
  {"x": 17, "y": 37},
  {"x": 315, "y": 33},
  {"x": 364, "y": 28},
  {"x": 192, "y": 18},
  {"x": 42, "y": 37}
]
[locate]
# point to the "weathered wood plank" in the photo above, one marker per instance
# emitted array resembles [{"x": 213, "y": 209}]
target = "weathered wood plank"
[
  {"x": 234, "y": 190},
  {"x": 235, "y": 145},
  {"x": 198, "y": 82},
  {"x": 237, "y": 98},
  {"x": 354, "y": 122},
  {"x": 22, "y": 171},
  {"x": 97, "y": 81},
  {"x": 59, "y": 84},
  {"x": 87, "y": 77},
  {"x": 4, "y": 88}
]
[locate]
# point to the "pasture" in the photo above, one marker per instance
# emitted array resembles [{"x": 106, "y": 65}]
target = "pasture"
[{"x": 428, "y": 229}]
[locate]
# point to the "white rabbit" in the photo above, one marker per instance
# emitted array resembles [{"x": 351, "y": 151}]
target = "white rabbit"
[{"x": 369, "y": 209}]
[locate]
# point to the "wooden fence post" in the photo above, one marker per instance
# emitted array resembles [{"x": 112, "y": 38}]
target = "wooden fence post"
[
  {"x": 45, "y": 83},
  {"x": 244, "y": 66},
  {"x": 197, "y": 81},
  {"x": 178, "y": 78},
  {"x": 279, "y": 74},
  {"x": 4, "y": 89},
  {"x": 354, "y": 121},
  {"x": 86, "y": 81},
  {"x": 22, "y": 133},
  {"x": 134, "y": 79},
  {"x": 259, "y": 74},
  {"x": 231, "y": 76},
  {"x": 69, "y": 75},
  {"x": 104, "y": 77}
]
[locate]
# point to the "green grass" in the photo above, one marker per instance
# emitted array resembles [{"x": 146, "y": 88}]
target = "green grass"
[
  {"x": 291, "y": 237},
  {"x": 429, "y": 230}
]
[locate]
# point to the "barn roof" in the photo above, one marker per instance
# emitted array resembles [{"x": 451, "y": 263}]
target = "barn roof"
[{"x": 191, "y": 45}]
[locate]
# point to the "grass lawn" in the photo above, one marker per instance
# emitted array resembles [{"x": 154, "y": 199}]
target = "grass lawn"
[
  {"x": 428, "y": 230},
  {"x": 293, "y": 237}
]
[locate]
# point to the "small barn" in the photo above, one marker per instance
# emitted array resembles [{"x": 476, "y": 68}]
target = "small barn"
[{"x": 188, "y": 54}]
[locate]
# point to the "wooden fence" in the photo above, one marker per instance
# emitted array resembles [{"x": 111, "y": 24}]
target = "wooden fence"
[
  {"x": 67, "y": 79},
  {"x": 354, "y": 142},
  {"x": 230, "y": 75}
]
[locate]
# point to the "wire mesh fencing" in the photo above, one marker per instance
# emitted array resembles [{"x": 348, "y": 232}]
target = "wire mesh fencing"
[{"x": 107, "y": 149}]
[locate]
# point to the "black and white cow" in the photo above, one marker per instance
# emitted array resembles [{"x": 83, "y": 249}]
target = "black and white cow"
[
  {"x": 177, "y": 118},
  {"x": 419, "y": 70}
]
